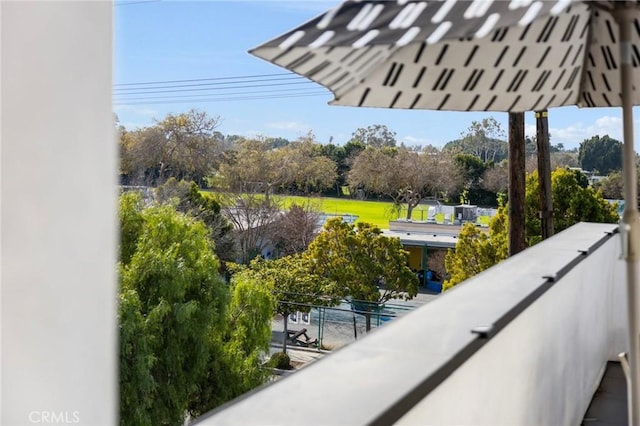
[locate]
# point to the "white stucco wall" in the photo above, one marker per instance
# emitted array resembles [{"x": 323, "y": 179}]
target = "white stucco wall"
[
  {"x": 544, "y": 367},
  {"x": 58, "y": 223}
]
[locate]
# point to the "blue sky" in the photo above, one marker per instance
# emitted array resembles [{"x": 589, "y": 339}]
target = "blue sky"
[{"x": 159, "y": 41}]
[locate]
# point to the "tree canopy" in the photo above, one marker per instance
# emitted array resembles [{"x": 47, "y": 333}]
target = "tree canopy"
[
  {"x": 376, "y": 136},
  {"x": 405, "y": 176},
  {"x": 477, "y": 250},
  {"x": 180, "y": 350},
  {"x": 366, "y": 265},
  {"x": 603, "y": 154},
  {"x": 573, "y": 201}
]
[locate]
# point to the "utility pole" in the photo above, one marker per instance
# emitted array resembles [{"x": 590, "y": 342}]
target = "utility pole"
[
  {"x": 544, "y": 173},
  {"x": 517, "y": 241}
]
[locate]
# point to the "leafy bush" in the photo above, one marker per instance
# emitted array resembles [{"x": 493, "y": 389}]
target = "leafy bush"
[{"x": 280, "y": 360}]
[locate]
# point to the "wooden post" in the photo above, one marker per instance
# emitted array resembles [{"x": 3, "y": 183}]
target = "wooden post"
[
  {"x": 517, "y": 241},
  {"x": 544, "y": 173}
]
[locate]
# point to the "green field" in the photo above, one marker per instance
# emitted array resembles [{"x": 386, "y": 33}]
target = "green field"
[{"x": 376, "y": 212}]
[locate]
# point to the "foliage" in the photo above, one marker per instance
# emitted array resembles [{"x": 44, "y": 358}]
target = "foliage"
[
  {"x": 183, "y": 146},
  {"x": 235, "y": 366},
  {"x": 496, "y": 178},
  {"x": 295, "y": 229},
  {"x": 253, "y": 220},
  {"x": 573, "y": 202},
  {"x": 367, "y": 266},
  {"x": 403, "y": 175},
  {"x": 477, "y": 250},
  {"x": 184, "y": 347},
  {"x": 603, "y": 154},
  {"x": 294, "y": 284},
  {"x": 280, "y": 360},
  {"x": 485, "y": 139},
  {"x": 376, "y": 136},
  {"x": 188, "y": 199},
  {"x": 254, "y": 166},
  {"x": 612, "y": 187},
  {"x": 131, "y": 223},
  {"x": 472, "y": 170}
]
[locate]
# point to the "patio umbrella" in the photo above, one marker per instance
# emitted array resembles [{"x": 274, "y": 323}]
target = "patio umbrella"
[{"x": 514, "y": 56}]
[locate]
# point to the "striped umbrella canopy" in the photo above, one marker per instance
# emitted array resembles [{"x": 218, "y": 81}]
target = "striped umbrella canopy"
[
  {"x": 460, "y": 56},
  {"x": 484, "y": 55}
]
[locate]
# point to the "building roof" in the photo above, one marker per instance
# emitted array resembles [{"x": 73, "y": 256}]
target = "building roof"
[{"x": 423, "y": 239}]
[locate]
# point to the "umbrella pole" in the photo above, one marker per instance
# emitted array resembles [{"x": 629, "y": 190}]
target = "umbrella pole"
[{"x": 630, "y": 220}]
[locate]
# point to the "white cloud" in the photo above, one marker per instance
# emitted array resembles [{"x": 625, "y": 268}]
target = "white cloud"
[
  {"x": 416, "y": 141},
  {"x": 572, "y": 135}
]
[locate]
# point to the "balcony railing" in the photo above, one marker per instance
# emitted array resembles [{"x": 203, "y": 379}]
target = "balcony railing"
[{"x": 525, "y": 342}]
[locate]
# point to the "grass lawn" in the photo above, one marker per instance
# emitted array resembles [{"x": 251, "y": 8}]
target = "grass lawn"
[{"x": 376, "y": 212}]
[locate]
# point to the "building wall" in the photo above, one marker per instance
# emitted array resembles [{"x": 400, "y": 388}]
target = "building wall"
[{"x": 58, "y": 214}]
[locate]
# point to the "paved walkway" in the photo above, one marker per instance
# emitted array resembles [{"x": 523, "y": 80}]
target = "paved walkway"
[{"x": 609, "y": 404}]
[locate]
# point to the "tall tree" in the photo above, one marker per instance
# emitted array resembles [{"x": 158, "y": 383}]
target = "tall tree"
[
  {"x": 184, "y": 348},
  {"x": 376, "y": 136},
  {"x": 254, "y": 166},
  {"x": 403, "y": 175},
  {"x": 370, "y": 268},
  {"x": 603, "y": 154},
  {"x": 485, "y": 139},
  {"x": 472, "y": 170},
  {"x": 172, "y": 300},
  {"x": 184, "y": 146},
  {"x": 235, "y": 363}
]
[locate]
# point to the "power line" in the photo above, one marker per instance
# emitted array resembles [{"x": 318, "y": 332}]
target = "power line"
[
  {"x": 124, "y": 89},
  {"x": 125, "y": 102},
  {"x": 211, "y": 88},
  {"x": 252, "y": 92},
  {"x": 210, "y": 79}
]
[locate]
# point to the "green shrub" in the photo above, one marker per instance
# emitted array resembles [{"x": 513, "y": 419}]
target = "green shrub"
[{"x": 280, "y": 360}]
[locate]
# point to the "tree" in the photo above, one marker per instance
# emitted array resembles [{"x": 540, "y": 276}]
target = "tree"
[
  {"x": 254, "y": 166},
  {"x": 485, "y": 139},
  {"x": 183, "y": 347},
  {"x": 612, "y": 187},
  {"x": 403, "y": 175},
  {"x": 376, "y": 136},
  {"x": 309, "y": 168},
  {"x": 472, "y": 170},
  {"x": 253, "y": 220},
  {"x": 235, "y": 365},
  {"x": 603, "y": 154},
  {"x": 496, "y": 178},
  {"x": 476, "y": 250},
  {"x": 294, "y": 285},
  {"x": 369, "y": 267},
  {"x": 184, "y": 146},
  {"x": 295, "y": 229},
  {"x": 172, "y": 300},
  {"x": 187, "y": 198},
  {"x": 573, "y": 201}
]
